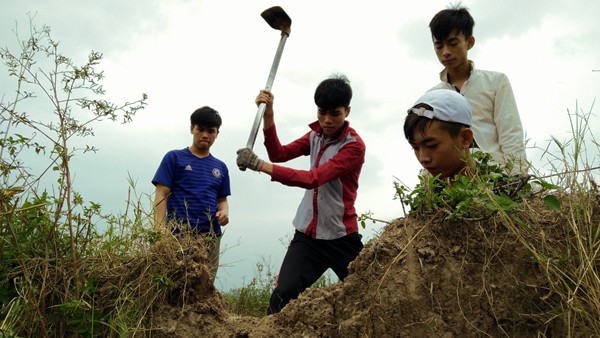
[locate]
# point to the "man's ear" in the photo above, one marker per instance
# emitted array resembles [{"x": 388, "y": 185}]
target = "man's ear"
[
  {"x": 192, "y": 129},
  {"x": 466, "y": 138},
  {"x": 470, "y": 42},
  {"x": 347, "y": 111}
]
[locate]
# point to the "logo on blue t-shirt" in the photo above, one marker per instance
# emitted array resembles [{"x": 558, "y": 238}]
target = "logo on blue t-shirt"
[
  {"x": 188, "y": 167},
  {"x": 216, "y": 172}
]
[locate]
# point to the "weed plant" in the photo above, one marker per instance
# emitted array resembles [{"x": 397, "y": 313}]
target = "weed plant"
[
  {"x": 572, "y": 263},
  {"x": 50, "y": 247},
  {"x": 252, "y": 299}
]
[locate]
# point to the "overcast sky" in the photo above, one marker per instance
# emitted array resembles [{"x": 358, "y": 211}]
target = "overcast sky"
[{"x": 186, "y": 54}]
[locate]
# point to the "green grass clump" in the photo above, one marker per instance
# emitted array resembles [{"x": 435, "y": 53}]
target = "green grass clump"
[
  {"x": 252, "y": 299},
  {"x": 51, "y": 244}
]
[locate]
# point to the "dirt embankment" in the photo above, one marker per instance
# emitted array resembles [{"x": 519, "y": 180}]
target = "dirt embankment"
[{"x": 421, "y": 277}]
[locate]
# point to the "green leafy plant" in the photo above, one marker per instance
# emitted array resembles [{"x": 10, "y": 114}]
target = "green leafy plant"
[
  {"x": 252, "y": 299},
  {"x": 47, "y": 236},
  {"x": 368, "y": 216},
  {"x": 476, "y": 196}
]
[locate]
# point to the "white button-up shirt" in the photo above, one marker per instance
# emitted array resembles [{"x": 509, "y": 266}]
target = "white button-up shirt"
[{"x": 497, "y": 127}]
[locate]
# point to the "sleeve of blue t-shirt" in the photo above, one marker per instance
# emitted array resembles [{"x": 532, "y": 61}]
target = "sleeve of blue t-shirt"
[
  {"x": 225, "y": 189},
  {"x": 164, "y": 173}
]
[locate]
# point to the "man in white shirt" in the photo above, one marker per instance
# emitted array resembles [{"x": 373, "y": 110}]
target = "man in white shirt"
[{"x": 497, "y": 127}]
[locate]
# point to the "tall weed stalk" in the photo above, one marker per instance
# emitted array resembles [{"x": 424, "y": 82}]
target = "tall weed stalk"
[
  {"x": 47, "y": 228},
  {"x": 573, "y": 265}
]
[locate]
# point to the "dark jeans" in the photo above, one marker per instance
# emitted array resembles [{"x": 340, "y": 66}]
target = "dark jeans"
[{"x": 306, "y": 260}]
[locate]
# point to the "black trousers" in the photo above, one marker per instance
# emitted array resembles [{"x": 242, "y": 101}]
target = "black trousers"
[{"x": 306, "y": 260}]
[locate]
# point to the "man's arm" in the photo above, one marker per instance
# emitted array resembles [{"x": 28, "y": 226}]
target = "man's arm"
[
  {"x": 160, "y": 205},
  {"x": 509, "y": 127},
  {"x": 277, "y": 152},
  {"x": 282, "y": 153},
  {"x": 222, "y": 211},
  {"x": 348, "y": 159},
  {"x": 266, "y": 97}
]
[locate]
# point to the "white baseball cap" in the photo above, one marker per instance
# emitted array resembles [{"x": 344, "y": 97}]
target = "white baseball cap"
[{"x": 447, "y": 105}]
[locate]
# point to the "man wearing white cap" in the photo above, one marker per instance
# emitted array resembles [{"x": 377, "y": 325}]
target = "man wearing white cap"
[{"x": 438, "y": 129}]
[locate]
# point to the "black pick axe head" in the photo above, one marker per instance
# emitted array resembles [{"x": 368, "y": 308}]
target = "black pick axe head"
[{"x": 278, "y": 19}]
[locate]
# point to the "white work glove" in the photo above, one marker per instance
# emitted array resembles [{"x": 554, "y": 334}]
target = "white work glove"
[{"x": 247, "y": 159}]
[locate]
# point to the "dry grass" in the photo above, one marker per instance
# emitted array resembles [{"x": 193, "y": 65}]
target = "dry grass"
[{"x": 119, "y": 295}]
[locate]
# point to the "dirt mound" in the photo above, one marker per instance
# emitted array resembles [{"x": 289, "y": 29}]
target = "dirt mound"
[
  {"x": 192, "y": 307},
  {"x": 421, "y": 277}
]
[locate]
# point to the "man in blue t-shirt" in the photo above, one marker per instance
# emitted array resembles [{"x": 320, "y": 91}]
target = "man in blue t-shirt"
[{"x": 192, "y": 186}]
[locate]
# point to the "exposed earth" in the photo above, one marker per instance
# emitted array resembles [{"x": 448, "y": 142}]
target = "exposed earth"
[{"x": 421, "y": 277}]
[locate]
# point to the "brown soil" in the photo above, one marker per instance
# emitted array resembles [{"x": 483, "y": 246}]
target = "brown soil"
[{"x": 421, "y": 277}]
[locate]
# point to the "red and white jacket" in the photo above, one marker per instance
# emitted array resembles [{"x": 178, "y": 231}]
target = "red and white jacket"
[{"x": 327, "y": 208}]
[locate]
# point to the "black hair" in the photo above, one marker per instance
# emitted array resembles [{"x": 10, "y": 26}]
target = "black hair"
[
  {"x": 416, "y": 124},
  {"x": 450, "y": 19},
  {"x": 333, "y": 92},
  {"x": 206, "y": 117}
]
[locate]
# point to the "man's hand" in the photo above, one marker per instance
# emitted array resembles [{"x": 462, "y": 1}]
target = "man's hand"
[
  {"x": 266, "y": 97},
  {"x": 247, "y": 159},
  {"x": 222, "y": 217}
]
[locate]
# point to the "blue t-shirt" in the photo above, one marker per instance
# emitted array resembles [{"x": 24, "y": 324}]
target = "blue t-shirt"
[{"x": 196, "y": 184}]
